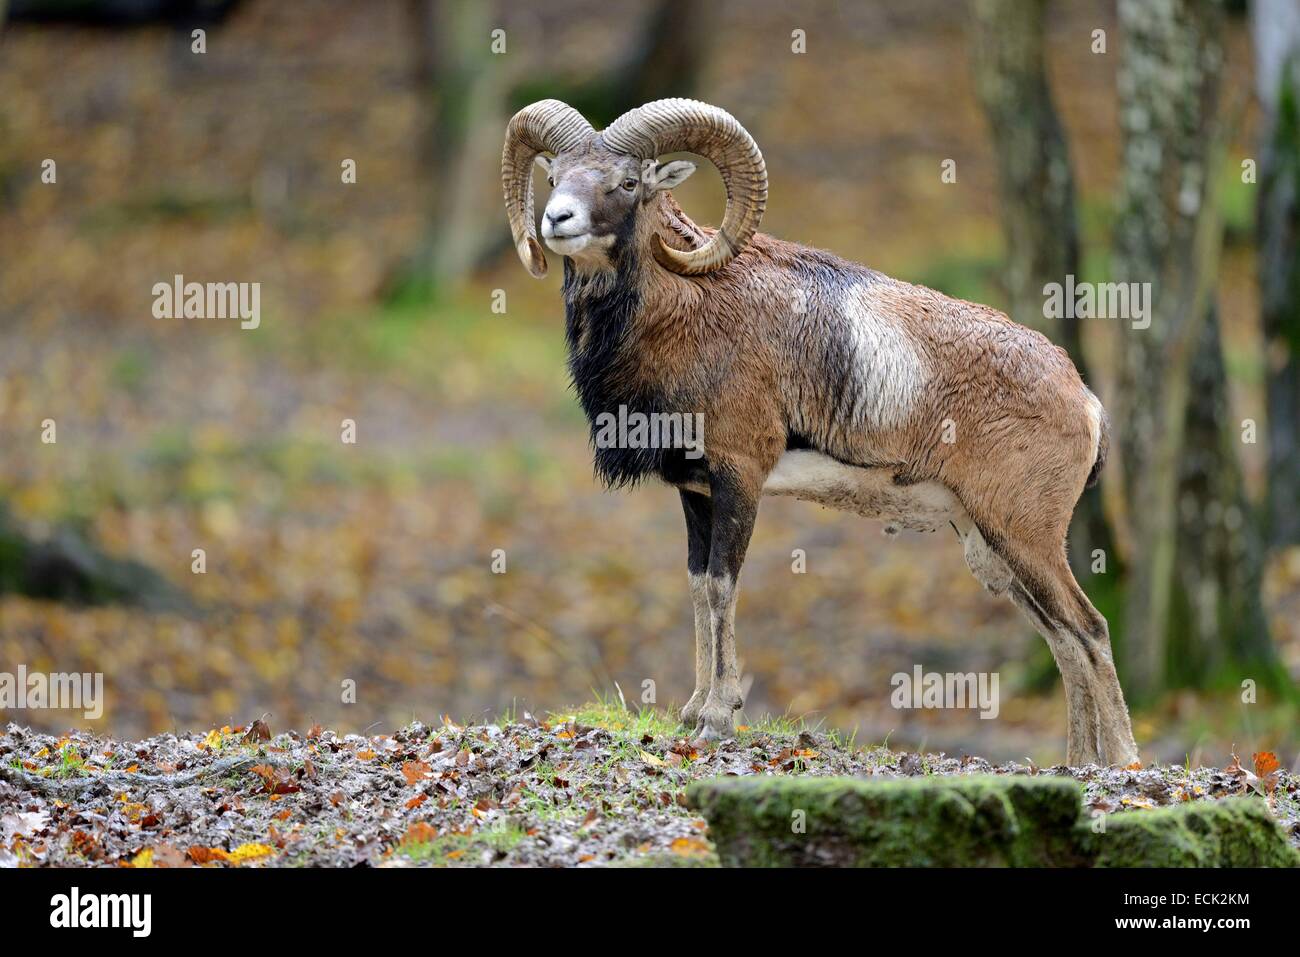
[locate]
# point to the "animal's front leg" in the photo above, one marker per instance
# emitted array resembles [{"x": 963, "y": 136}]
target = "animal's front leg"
[
  {"x": 735, "y": 506},
  {"x": 699, "y": 516}
]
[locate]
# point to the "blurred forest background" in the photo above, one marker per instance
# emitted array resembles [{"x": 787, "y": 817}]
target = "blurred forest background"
[{"x": 1165, "y": 149}]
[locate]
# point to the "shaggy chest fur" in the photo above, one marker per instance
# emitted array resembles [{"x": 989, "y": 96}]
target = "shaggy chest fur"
[{"x": 614, "y": 387}]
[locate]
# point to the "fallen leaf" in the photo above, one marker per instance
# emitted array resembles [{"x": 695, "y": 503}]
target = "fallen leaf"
[
  {"x": 169, "y": 855},
  {"x": 250, "y": 852},
  {"x": 688, "y": 847},
  {"x": 259, "y": 731},
  {"x": 207, "y": 855},
  {"x": 22, "y": 824},
  {"x": 420, "y": 832},
  {"x": 1265, "y": 763},
  {"x": 143, "y": 859},
  {"x": 415, "y": 771},
  {"x": 275, "y": 781}
]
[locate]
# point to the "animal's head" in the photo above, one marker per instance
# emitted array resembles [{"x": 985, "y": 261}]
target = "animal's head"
[{"x": 600, "y": 180}]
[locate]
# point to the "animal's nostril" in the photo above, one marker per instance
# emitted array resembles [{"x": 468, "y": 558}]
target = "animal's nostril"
[{"x": 557, "y": 218}]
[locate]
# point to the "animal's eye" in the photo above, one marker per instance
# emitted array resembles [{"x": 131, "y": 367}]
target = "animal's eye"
[
  {"x": 551, "y": 180},
  {"x": 629, "y": 184}
]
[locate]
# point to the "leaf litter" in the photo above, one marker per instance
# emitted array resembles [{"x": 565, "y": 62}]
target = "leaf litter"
[{"x": 527, "y": 792}]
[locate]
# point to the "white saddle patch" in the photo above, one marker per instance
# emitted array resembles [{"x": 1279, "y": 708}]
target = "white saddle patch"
[{"x": 891, "y": 371}]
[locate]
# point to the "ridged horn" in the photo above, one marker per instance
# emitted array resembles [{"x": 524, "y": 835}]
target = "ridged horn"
[
  {"x": 547, "y": 126},
  {"x": 667, "y": 126}
]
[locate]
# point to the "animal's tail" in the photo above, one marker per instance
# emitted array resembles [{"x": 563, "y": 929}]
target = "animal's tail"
[{"x": 1103, "y": 443}]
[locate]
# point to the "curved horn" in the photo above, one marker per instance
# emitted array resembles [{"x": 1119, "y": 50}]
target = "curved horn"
[
  {"x": 666, "y": 126},
  {"x": 544, "y": 126}
]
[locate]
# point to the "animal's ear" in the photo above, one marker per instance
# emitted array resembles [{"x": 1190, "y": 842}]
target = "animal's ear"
[
  {"x": 669, "y": 175},
  {"x": 545, "y": 163}
]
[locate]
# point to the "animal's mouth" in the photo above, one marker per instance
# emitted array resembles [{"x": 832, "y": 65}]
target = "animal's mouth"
[{"x": 567, "y": 245}]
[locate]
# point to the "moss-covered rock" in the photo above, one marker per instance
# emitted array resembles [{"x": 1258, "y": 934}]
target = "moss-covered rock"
[
  {"x": 920, "y": 822},
  {"x": 988, "y": 821},
  {"x": 1236, "y": 832}
]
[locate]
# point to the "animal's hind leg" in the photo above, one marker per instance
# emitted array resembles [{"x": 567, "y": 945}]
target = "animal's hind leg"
[
  {"x": 997, "y": 577},
  {"x": 1081, "y": 710},
  {"x": 1114, "y": 729},
  {"x": 1045, "y": 576}
]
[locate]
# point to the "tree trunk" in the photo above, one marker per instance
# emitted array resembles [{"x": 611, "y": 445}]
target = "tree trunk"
[
  {"x": 466, "y": 92},
  {"x": 1168, "y": 234},
  {"x": 1036, "y": 189},
  {"x": 1276, "y": 28},
  {"x": 665, "y": 57},
  {"x": 1220, "y": 629}
]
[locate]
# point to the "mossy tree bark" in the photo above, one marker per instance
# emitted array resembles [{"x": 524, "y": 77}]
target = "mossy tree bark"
[
  {"x": 1276, "y": 28},
  {"x": 1192, "y": 596},
  {"x": 1037, "y": 196},
  {"x": 1219, "y": 629}
]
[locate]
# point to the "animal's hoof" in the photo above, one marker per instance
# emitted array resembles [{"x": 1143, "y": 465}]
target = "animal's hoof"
[
  {"x": 704, "y": 733},
  {"x": 690, "y": 714},
  {"x": 714, "y": 725}
]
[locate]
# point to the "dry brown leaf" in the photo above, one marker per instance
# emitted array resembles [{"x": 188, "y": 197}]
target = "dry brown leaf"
[
  {"x": 259, "y": 731},
  {"x": 207, "y": 855},
  {"x": 420, "y": 832},
  {"x": 415, "y": 771}
]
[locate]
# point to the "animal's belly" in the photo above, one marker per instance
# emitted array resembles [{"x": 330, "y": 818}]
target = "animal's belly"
[{"x": 814, "y": 477}]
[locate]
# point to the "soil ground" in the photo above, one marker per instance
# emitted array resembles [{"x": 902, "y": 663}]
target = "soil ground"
[{"x": 594, "y": 786}]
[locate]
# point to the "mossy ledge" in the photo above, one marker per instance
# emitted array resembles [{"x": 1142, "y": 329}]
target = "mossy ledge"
[
  {"x": 1235, "y": 832},
  {"x": 846, "y": 822},
  {"x": 977, "y": 821}
]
